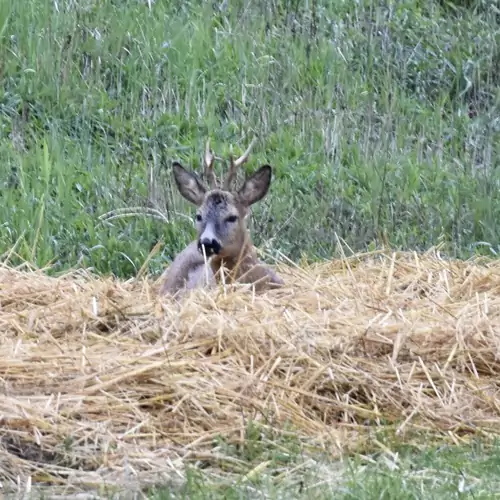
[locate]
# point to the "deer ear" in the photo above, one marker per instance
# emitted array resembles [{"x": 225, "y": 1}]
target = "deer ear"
[
  {"x": 189, "y": 185},
  {"x": 256, "y": 186}
]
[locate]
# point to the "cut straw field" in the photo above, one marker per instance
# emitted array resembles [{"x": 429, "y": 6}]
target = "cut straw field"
[{"x": 105, "y": 383}]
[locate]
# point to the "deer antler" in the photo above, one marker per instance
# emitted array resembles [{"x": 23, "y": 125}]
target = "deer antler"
[
  {"x": 209, "y": 166},
  {"x": 233, "y": 165}
]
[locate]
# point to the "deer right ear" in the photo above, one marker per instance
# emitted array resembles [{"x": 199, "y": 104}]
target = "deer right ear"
[
  {"x": 189, "y": 185},
  {"x": 256, "y": 186}
]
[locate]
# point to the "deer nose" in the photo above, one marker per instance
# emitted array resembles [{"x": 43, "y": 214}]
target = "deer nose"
[{"x": 212, "y": 246}]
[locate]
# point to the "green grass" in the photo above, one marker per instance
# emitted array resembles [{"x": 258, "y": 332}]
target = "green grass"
[
  {"x": 380, "y": 120},
  {"x": 468, "y": 471}
]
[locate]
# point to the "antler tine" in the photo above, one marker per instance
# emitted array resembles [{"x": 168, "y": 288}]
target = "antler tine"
[
  {"x": 244, "y": 157},
  {"x": 233, "y": 165},
  {"x": 209, "y": 166}
]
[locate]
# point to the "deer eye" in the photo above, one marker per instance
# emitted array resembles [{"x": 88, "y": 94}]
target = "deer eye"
[
  {"x": 198, "y": 217},
  {"x": 232, "y": 218}
]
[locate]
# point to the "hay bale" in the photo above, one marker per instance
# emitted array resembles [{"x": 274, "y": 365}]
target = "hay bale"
[{"x": 104, "y": 382}]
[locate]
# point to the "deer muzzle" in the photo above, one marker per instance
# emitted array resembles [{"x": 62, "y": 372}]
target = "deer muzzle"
[
  {"x": 211, "y": 246},
  {"x": 208, "y": 241}
]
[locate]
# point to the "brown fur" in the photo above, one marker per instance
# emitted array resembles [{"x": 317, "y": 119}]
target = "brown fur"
[{"x": 221, "y": 218}]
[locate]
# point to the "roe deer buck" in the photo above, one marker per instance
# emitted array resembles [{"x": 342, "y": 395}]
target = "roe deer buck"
[{"x": 222, "y": 234}]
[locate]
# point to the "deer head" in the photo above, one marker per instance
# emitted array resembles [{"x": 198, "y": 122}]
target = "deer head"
[{"x": 220, "y": 217}]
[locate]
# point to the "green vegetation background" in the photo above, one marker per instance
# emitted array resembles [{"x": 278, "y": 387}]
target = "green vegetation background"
[{"x": 381, "y": 120}]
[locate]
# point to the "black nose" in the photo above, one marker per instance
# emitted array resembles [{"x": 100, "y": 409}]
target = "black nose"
[{"x": 211, "y": 246}]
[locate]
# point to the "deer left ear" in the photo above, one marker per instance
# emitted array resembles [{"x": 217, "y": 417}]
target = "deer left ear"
[
  {"x": 256, "y": 186},
  {"x": 189, "y": 185}
]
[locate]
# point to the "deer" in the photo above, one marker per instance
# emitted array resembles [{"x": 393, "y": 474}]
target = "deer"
[{"x": 223, "y": 248}]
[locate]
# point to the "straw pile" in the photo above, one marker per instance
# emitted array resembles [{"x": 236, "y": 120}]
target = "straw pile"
[{"x": 105, "y": 383}]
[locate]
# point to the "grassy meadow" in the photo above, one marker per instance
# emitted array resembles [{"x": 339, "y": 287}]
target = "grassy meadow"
[
  {"x": 434, "y": 474},
  {"x": 381, "y": 121}
]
